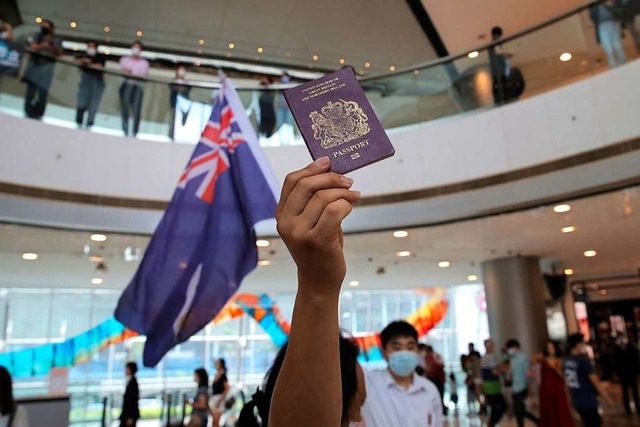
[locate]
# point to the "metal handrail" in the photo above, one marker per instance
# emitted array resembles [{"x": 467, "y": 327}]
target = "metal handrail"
[{"x": 420, "y": 66}]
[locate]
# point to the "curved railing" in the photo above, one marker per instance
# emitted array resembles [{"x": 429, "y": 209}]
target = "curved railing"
[{"x": 557, "y": 52}]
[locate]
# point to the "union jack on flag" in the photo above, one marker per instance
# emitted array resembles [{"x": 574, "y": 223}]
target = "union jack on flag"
[{"x": 205, "y": 243}]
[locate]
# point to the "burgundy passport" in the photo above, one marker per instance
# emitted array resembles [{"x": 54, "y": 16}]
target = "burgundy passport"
[{"x": 336, "y": 120}]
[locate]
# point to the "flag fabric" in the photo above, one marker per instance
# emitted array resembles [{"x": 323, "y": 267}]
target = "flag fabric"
[{"x": 205, "y": 243}]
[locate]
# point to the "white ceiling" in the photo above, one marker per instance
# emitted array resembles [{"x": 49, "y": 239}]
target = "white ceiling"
[
  {"x": 608, "y": 223},
  {"x": 381, "y": 32}
]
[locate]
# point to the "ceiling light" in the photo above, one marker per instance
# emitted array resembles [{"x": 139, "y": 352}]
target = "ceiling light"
[
  {"x": 288, "y": 54},
  {"x": 392, "y": 68},
  {"x": 107, "y": 52},
  {"x": 341, "y": 61},
  {"x": 264, "y": 262},
  {"x": 568, "y": 271},
  {"x": 39, "y": 20},
  {"x": 229, "y": 55},
  {"x": 603, "y": 292},
  {"x": 231, "y": 45},
  {"x": 472, "y": 277},
  {"x": 367, "y": 64},
  {"x": 201, "y": 42},
  {"x": 561, "y": 208},
  {"x": 107, "y": 29},
  {"x": 96, "y": 259},
  {"x": 473, "y": 55},
  {"x": 444, "y": 264},
  {"x": 198, "y": 63},
  {"x": 29, "y": 256},
  {"x": 416, "y": 72},
  {"x": 199, "y": 51},
  {"x": 73, "y": 24},
  {"x": 569, "y": 229},
  {"x": 97, "y": 281},
  {"x": 403, "y": 253},
  {"x": 139, "y": 33},
  {"x": 314, "y": 57},
  {"x": 354, "y": 283},
  {"x": 590, "y": 253},
  {"x": 566, "y": 57},
  {"x": 98, "y": 237},
  {"x": 361, "y": 72},
  {"x": 400, "y": 233},
  {"x": 260, "y": 50},
  {"x": 74, "y": 48},
  {"x": 262, "y": 243}
]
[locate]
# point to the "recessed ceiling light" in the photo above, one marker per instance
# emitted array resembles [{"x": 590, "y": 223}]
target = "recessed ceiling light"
[
  {"x": 568, "y": 271},
  {"x": 229, "y": 55},
  {"x": 400, "y": 233},
  {"x": 416, "y": 72},
  {"x": 73, "y": 24},
  {"x": 107, "y": 29},
  {"x": 198, "y": 63},
  {"x": 367, "y": 64},
  {"x": 231, "y": 45},
  {"x": 361, "y": 73},
  {"x": 603, "y": 292},
  {"x": 472, "y": 277},
  {"x": 288, "y": 54},
  {"x": 98, "y": 237},
  {"x": 314, "y": 57},
  {"x": 96, "y": 259},
  {"x": 264, "y": 262},
  {"x": 139, "y": 33},
  {"x": 392, "y": 68},
  {"x": 29, "y": 256},
  {"x": 341, "y": 61},
  {"x": 74, "y": 48},
  {"x": 97, "y": 281},
  {"x": 107, "y": 52},
  {"x": 444, "y": 264},
  {"x": 260, "y": 50},
  {"x": 403, "y": 253},
  {"x": 354, "y": 283},
  {"x": 39, "y": 20},
  {"x": 590, "y": 253},
  {"x": 262, "y": 243},
  {"x": 201, "y": 42},
  {"x": 569, "y": 229},
  {"x": 561, "y": 208},
  {"x": 474, "y": 54},
  {"x": 199, "y": 51},
  {"x": 566, "y": 57}
]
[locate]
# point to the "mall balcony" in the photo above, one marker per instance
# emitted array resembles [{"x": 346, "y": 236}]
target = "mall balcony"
[{"x": 514, "y": 203}]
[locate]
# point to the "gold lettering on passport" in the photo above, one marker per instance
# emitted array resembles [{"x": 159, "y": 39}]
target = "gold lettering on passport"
[
  {"x": 350, "y": 149},
  {"x": 339, "y": 122}
]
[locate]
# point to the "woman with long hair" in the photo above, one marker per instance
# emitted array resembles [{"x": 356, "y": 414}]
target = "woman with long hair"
[
  {"x": 554, "y": 402},
  {"x": 11, "y": 414},
  {"x": 219, "y": 391},
  {"x": 200, "y": 403}
]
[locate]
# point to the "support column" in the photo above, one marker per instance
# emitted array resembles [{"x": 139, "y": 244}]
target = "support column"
[{"x": 515, "y": 302}]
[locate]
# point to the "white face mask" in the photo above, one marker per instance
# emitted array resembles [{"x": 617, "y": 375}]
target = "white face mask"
[
  {"x": 135, "y": 51},
  {"x": 91, "y": 51},
  {"x": 3, "y": 35}
]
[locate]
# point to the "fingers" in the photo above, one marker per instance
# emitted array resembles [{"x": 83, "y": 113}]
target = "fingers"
[
  {"x": 332, "y": 217},
  {"x": 321, "y": 199},
  {"x": 309, "y": 187},
  {"x": 319, "y": 166}
]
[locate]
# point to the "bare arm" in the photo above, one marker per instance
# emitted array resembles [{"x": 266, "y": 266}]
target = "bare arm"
[
  {"x": 601, "y": 390},
  {"x": 308, "y": 391}
]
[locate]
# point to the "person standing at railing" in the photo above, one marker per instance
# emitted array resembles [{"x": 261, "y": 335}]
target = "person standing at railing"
[
  {"x": 130, "y": 409},
  {"x": 631, "y": 19},
  {"x": 39, "y": 72},
  {"x": 178, "y": 89},
  {"x": 6, "y": 31},
  {"x": 606, "y": 17},
  {"x": 131, "y": 92},
  {"x": 91, "y": 84}
]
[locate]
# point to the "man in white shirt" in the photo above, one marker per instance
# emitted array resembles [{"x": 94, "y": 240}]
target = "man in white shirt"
[{"x": 397, "y": 396}]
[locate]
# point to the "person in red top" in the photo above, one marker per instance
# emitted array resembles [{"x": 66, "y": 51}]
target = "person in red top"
[
  {"x": 435, "y": 372},
  {"x": 553, "y": 399}
]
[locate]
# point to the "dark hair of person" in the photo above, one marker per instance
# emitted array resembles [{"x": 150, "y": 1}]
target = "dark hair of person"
[
  {"x": 513, "y": 343},
  {"x": 133, "y": 367},
  {"x": 6, "y": 392},
  {"x": 496, "y": 32},
  {"x": 574, "y": 340},
  {"x": 93, "y": 42},
  {"x": 138, "y": 43},
  {"x": 557, "y": 351},
  {"x": 223, "y": 364},
  {"x": 50, "y": 22},
  {"x": 203, "y": 377},
  {"x": 422, "y": 346},
  {"x": 349, "y": 351},
  {"x": 397, "y": 329}
]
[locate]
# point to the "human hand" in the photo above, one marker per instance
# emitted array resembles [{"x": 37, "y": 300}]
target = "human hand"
[
  {"x": 129, "y": 421},
  {"x": 313, "y": 204}
]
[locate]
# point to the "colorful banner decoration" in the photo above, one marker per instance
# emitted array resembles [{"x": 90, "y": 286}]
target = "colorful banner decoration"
[{"x": 38, "y": 361}]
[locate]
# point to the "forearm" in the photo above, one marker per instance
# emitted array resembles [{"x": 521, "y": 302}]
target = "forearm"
[{"x": 308, "y": 391}]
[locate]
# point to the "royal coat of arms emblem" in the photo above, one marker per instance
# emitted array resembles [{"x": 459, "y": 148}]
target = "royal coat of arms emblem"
[{"x": 339, "y": 122}]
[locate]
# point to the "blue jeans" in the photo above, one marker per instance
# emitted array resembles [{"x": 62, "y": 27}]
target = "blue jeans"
[
  {"x": 610, "y": 35},
  {"x": 89, "y": 95}
]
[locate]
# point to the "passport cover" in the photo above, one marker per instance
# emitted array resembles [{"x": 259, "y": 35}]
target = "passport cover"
[{"x": 336, "y": 120}]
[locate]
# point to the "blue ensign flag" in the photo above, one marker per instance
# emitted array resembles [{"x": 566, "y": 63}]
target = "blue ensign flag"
[{"x": 205, "y": 243}]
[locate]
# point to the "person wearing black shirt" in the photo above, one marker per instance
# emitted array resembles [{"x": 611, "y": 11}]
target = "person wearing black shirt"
[
  {"x": 130, "y": 410},
  {"x": 219, "y": 390},
  {"x": 91, "y": 84},
  {"x": 627, "y": 366}
]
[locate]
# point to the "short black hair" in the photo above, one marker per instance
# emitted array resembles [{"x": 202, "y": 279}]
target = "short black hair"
[
  {"x": 50, "y": 22},
  {"x": 513, "y": 343},
  {"x": 396, "y": 329},
  {"x": 574, "y": 340},
  {"x": 496, "y": 31},
  {"x": 203, "y": 377},
  {"x": 139, "y": 43},
  {"x": 6, "y": 392},
  {"x": 133, "y": 367},
  {"x": 93, "y": 41}
]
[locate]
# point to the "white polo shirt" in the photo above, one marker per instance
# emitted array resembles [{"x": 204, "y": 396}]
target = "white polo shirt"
[{"x": 390, "y": 405}]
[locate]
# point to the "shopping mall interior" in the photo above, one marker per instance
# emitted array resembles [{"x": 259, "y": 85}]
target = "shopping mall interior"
[{"x": 510, "y": 210}]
